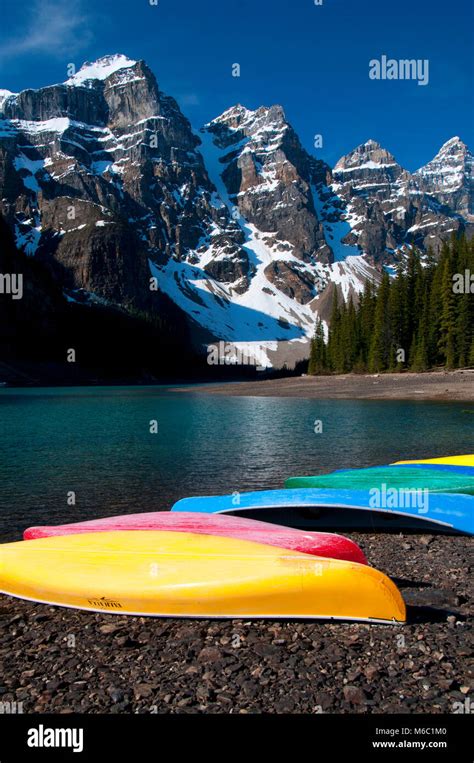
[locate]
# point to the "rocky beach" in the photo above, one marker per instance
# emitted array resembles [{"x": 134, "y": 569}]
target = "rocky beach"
[
  {"x": 55, "y": 660},
  {"x": 433, "y": 385}
]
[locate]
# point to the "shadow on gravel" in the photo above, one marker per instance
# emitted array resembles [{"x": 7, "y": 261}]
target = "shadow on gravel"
[
  {"x": 403, "y": 583},
  {"x": 425, "y": 614}
]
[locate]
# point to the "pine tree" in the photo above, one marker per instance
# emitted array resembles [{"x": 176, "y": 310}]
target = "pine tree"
[
  {"x": 317, "y": 359},
  {"x": 471, "y": 354},
  {"x": 418, "y": 311},
  {"x": 379, "y": 353},
  {"x": 447, "y": 329},
  {"x": 463, "y": 303},
  {"x": 397, "y": 314},
  {"x": 365, "y": 324},
  {"x": 350, "y": 336},
  {"x": 420, "y": 357},
  {"x": 334, "y": 332}
]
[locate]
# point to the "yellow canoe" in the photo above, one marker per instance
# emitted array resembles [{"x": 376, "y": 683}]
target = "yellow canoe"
[
  {"x": 467, "y": 460},
  {"x": 184, "y": 574}
]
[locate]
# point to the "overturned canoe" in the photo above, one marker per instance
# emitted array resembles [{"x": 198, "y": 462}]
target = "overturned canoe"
[
  {"x": 467, "y": 460},
  {"x": 469, "y": 470},
  {"x": 319, "y": 544},
  {"x": 184, "y": 574},
  {"x": 404, "y": 478},
  {"x": 413, "y": 509}
]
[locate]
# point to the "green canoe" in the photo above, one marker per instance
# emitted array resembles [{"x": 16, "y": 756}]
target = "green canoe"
[{"x": 390, "y": 476}]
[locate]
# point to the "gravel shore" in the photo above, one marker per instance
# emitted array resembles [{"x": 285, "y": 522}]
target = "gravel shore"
[
  {"x": 435, "y": 385},
  {"x": 62, "y": 661}
]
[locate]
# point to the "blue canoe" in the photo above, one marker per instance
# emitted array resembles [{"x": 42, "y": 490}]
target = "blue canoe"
[{"x": 333, "y": 509}]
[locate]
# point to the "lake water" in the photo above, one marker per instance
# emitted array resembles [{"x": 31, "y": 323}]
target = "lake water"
[{"x": 96, "y": 441}]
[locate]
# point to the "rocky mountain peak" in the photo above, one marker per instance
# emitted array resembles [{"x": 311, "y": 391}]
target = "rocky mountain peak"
[
  {"x": 391, "y": 209},
  {"x": 448, "y": 177},
  {"x": 267, "y": 174},
  {"x": 247, "y": 121},
  {"x": 234, "y": 116},
  {"x": 370, "y": 155},
  {"x": 371, "y": 183},
  {"x": 453, "y": 145},
  {"x": 100, "y": 70},
  {"x": 452, "y": 152}
]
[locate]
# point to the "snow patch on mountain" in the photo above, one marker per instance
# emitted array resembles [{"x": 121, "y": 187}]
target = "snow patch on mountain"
[
  {"x": 337, "y": 223},
  {"x": 100, "y": 69},
  {"x": 351, "y": 275},
  {"x": 4, "y": 96}
]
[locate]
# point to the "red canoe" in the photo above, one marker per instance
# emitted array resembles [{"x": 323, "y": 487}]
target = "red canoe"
[{"x": 316, "y": 543}]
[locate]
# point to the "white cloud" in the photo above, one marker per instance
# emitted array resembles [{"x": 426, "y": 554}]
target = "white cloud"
[{"x": 54, "y": 27}]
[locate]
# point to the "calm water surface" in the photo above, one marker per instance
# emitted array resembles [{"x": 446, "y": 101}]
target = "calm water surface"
[{"x": 97, "y": 443}]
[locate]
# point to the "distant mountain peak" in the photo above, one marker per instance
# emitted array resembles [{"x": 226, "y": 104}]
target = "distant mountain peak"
[
  {"x": 453, "y": 151},
  {"x": 236, "y": 110},
  {"x": 239, "y": 116},
  {"x": 369, "y": 155},
  {"x": 455, "y": 141},
  {"x": 236, "y": 114},
  {"x": 101, "y": 69},
  {"x": 448, "y": 176}
]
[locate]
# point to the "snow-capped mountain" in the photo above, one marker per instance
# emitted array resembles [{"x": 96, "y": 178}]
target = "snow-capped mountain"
[
  {"x": 103, "y": 178},
  {"x": 101, "y": 174},
  {"x": 449, "y": 178},
  {"x": 392, "y": 209}
]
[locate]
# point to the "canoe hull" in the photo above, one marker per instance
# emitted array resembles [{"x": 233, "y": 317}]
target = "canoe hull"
[
  {"x": 187, "y": 575},
  {"x": 445, "y": 512},
  {"x": 316, "y": 543},
  {"x": 454, "y": 468},
  {"x": 399, "y": 477},
  {"x": 467, "y": 460}
]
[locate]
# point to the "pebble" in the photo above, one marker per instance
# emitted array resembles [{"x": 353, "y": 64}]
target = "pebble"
[{"x": 354, "y": 695}]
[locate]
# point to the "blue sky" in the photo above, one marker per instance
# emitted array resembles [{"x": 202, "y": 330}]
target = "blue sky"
[{"x": 314, "y": 60}]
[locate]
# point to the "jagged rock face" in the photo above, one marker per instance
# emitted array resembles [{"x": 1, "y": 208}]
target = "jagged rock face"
[
  {"x": 369, "y": 170},
  {"x": 292, "y": 280},
  {"x": 449, "y": 178},
  {"x": 393, "y": 209},
  {"x": 102, "y": 172},
  {"x": 371, "y": 181},
  {"x": 56, "y": 101},
  {"x": 103, "y": 179},
  {"x": 268, "y": 176}
]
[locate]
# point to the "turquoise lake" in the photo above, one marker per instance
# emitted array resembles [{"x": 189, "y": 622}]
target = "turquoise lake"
[{"x": 96, "y": 442}]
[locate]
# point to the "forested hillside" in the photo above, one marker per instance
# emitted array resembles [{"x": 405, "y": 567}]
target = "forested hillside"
[{"x": 421, "y": 318}]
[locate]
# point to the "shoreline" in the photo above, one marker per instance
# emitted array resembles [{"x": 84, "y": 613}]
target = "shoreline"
[
  {"x": 448, "y": 386},
  {"x": 442, "y": 385}
]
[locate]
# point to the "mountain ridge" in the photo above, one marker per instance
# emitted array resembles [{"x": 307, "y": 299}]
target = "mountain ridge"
[{"x": 244, "y": 229}]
